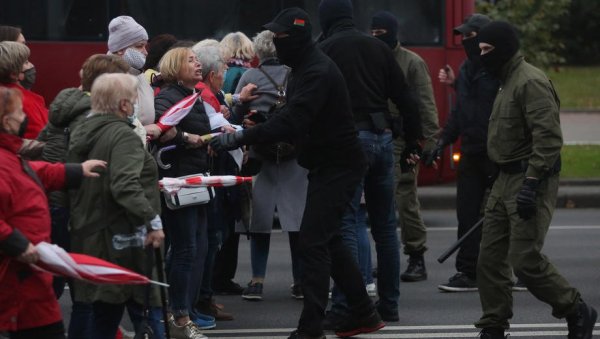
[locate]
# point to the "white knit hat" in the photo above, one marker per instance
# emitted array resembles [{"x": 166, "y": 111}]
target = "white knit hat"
[{"x": 124, "y": 31}]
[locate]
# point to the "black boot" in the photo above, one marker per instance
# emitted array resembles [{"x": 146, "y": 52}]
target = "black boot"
[
  {"x": 581, "y": 323},
  {"x": 416, "y": 269},
  {"x": 492, "y": 333}
]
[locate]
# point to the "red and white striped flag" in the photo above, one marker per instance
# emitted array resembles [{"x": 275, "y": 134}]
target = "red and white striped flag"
[
  {"x": 177, "y": 112},
  {"x": 172, "y": 185},
  {"x": 57, "y": 261}
]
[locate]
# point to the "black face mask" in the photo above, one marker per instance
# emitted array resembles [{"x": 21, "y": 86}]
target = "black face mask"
[
  {"x": 389, "y": 38},
  {"x": 23, "y": 127},
  {"x": 504, "y": 38},
  {"x": 472, "y": 49},
  {"x": 29, "y": 79},
  {"x": 290, "y": 49}
]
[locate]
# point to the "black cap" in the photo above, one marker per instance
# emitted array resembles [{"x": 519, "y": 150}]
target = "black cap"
[
  {"x": 289, "y": 19},
  {"x": 472, "y": 23}
]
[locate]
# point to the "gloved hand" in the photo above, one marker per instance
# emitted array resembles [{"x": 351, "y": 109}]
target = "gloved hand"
[
  {"x": 430, "y": 157},
  {"x": 406, "y": 158},
  {"x": 227, "y": 141},
  {"x": 526, "y": 207}
]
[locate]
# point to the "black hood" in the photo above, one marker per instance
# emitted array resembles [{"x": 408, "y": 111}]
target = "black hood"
[
  {"x": 386, "y": 20},
  {"x": 331, "y": 11},
  {"x": 503, "y": 36}
]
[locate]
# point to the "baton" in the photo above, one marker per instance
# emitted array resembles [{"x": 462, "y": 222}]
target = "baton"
[{"x": 459, "y": 242}]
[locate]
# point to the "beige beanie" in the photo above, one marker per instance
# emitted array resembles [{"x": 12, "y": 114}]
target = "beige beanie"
[{"x": 124, "y": 31}]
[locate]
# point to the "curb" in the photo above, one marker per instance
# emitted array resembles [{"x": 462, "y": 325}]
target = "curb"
[{"x": 572, "y": 193}]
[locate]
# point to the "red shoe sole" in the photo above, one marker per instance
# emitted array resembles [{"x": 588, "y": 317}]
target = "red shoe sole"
[{"x": 360, "y": 330}]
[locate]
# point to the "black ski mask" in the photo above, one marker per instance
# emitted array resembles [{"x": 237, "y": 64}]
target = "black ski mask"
[
  {"x": 294, "y": 22},
  {"x": 386, "y": 20},
  {"x": 330, "y": 11},
  {"x": 503, "y": 36},
  {"x": 471, "y": 46}
]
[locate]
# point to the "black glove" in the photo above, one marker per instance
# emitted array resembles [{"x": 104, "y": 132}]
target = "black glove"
[
  {"x": 526, "y": 207},
  {"x": 411, "y": 148},
  {"x": 430, "y": 157},
  {"x": 227, "y": 141}
]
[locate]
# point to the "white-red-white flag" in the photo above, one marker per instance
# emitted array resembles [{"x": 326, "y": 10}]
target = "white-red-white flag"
[
  {"x": 177, "y": 112},
  {"x": 55, "y": 260},
  {"x": 172, "y": 185}
]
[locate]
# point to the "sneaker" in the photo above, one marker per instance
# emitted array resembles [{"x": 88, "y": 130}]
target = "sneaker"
[
  {"x": 416, "y": 269},
  {"x": 203, "y": 321},
  {"x": 187, "y": 331},
  {"x": 297, "y": 291},
  {"x": 460, "y": 282},
  {"x": 209, "y": 307},
  {"x": 371, "y": 290},
  {"x": 332, "y": 321},
  {"x": 227, "y": 287},
  {"x": 581, "y": 323},
  {"x": 492, "y": 333},
  {"x": 519, "y": 286},
  {"x": 296, "y": 334},
  {"x": 357, "y": 325},
  {"x": 253, "y": 291}
]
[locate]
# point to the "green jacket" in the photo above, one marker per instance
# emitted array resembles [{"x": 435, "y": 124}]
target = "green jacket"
[
  {"x": 525, "y": 121},
  {"x": 419, "y": 81},
  {"x": 124, "y": 197},
  {"x": 66, "y": 112}
]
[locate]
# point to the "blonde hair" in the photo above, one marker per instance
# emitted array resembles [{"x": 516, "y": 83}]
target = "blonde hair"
[
  {"x": 171, "y": 63},
  {"x": 237, "y": 45},
  {"x": 12, "y": 57},
  {"x": 109, "y": 89},
  {"x": 99, "y": 64}
]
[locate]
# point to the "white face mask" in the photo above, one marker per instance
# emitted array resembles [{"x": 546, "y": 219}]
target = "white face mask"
[
  {"x": 136, "y": 110},
  {"x": 134, "y": 58}
]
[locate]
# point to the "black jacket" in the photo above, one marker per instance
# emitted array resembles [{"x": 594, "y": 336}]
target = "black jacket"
[
  {"x": 372, "y": 75},
  {"x": 184, "y": 161},
  {"x": 317, "y": 116},
  {"x": 475, "y": 94}
]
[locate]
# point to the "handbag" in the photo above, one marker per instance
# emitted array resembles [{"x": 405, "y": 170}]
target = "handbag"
[{"x": 189, "y": 196}]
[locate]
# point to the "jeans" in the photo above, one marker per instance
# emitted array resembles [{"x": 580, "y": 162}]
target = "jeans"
[
  {"x": 378, "y": 186},
  {"x": 214, "y": 234},
  {"x": 259, "y": 254},
  {"x": 364, "y": 246},
  {"x": 59, "y": 235},
  {"x": 187, "y": 228},
  {"x": 107, "y": 318},
  {"x": 322, "y": 250}
]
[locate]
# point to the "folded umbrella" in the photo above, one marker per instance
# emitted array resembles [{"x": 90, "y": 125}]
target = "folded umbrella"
[{"x": 172, "y": 185}]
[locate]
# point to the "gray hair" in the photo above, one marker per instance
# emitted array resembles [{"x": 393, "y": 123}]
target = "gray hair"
[
  {"x": 263, "y": 45},
  {"x": 210, "y": 58},
  {"x": 205, "y": 43},
  {"x": 109, "y": 89},
  {"x": 13, "y": 56}
]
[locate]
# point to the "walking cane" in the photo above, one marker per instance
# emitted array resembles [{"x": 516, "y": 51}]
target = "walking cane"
[
  {"x": 459, "y": 242},
  {"x": 163, "y": 295}
]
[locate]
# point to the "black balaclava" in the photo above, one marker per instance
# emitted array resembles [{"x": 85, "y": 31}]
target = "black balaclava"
[
  {"x": 471, "y": 46},
  {"x": 291, "y": 49},
  {"x": 331, "y": 11},
  {"x": 503, "y": 36},
  {"x": 386, "y": 20}
]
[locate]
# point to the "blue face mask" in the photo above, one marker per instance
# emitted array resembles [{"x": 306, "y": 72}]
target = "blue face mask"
[{"x": 136, "y": 109}]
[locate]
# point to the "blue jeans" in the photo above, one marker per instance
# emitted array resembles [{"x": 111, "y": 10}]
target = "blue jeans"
[
  {"x": 378, "y": 185},
  {"x": 187, "y": 228},
  {"x": 107, "y": 318},
  {"x": 364, "y": 246}
]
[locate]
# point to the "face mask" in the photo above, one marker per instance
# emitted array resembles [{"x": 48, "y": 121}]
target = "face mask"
[
  {"x": 291, "y": 48},
  {"x": 389, "y": 38},
  {"x": 134, "y": 58},
  {"x": 22, "y": 127},
  {"x": 493, "y": 62},
  {"x": 471, "y": 46},
  {"x": 29, "y": 79},
  {"x": 136, "y": 109}
]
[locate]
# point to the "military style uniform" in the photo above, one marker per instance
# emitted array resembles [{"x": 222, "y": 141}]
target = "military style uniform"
[
  {"x": 413, "y": 230},
  {"x": 524, "y": 139}
]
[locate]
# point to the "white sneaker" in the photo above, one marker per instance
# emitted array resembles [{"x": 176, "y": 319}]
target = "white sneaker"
[
  {"x": 372, "y": 290},
  {"x": 187, "y": 331}
]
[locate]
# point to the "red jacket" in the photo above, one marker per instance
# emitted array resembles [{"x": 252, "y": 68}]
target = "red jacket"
[
  {"x": 34, "y": 107},
  {"x": 27, "y": 299}
]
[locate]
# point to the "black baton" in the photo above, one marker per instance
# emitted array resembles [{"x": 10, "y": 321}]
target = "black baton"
[{"x": 459, "y": 242}]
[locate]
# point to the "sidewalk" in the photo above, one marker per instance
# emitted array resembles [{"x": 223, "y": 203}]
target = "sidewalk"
[{"x": 572, "y": 193}]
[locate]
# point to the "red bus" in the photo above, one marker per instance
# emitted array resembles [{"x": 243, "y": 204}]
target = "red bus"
[{"x": 63, "y": 33}]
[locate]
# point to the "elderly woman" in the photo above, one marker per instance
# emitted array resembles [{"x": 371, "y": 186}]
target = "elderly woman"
[
  {"x": 13, "y": 58},
  {"x": 125, "y": 202},
  {"x": 29, "y": 307},
  {"x": 11, "y": 33},
  {"x": 281, "y": 183},
  {"x": 185, "y": 226},
  {"x": 238, "y": 54}
]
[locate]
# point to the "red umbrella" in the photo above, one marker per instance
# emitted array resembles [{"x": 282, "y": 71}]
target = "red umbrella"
[{"x": 57, "y": 261}]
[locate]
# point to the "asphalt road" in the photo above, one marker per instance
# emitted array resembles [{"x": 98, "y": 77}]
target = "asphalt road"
[{"x": 425, "y": 312}]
